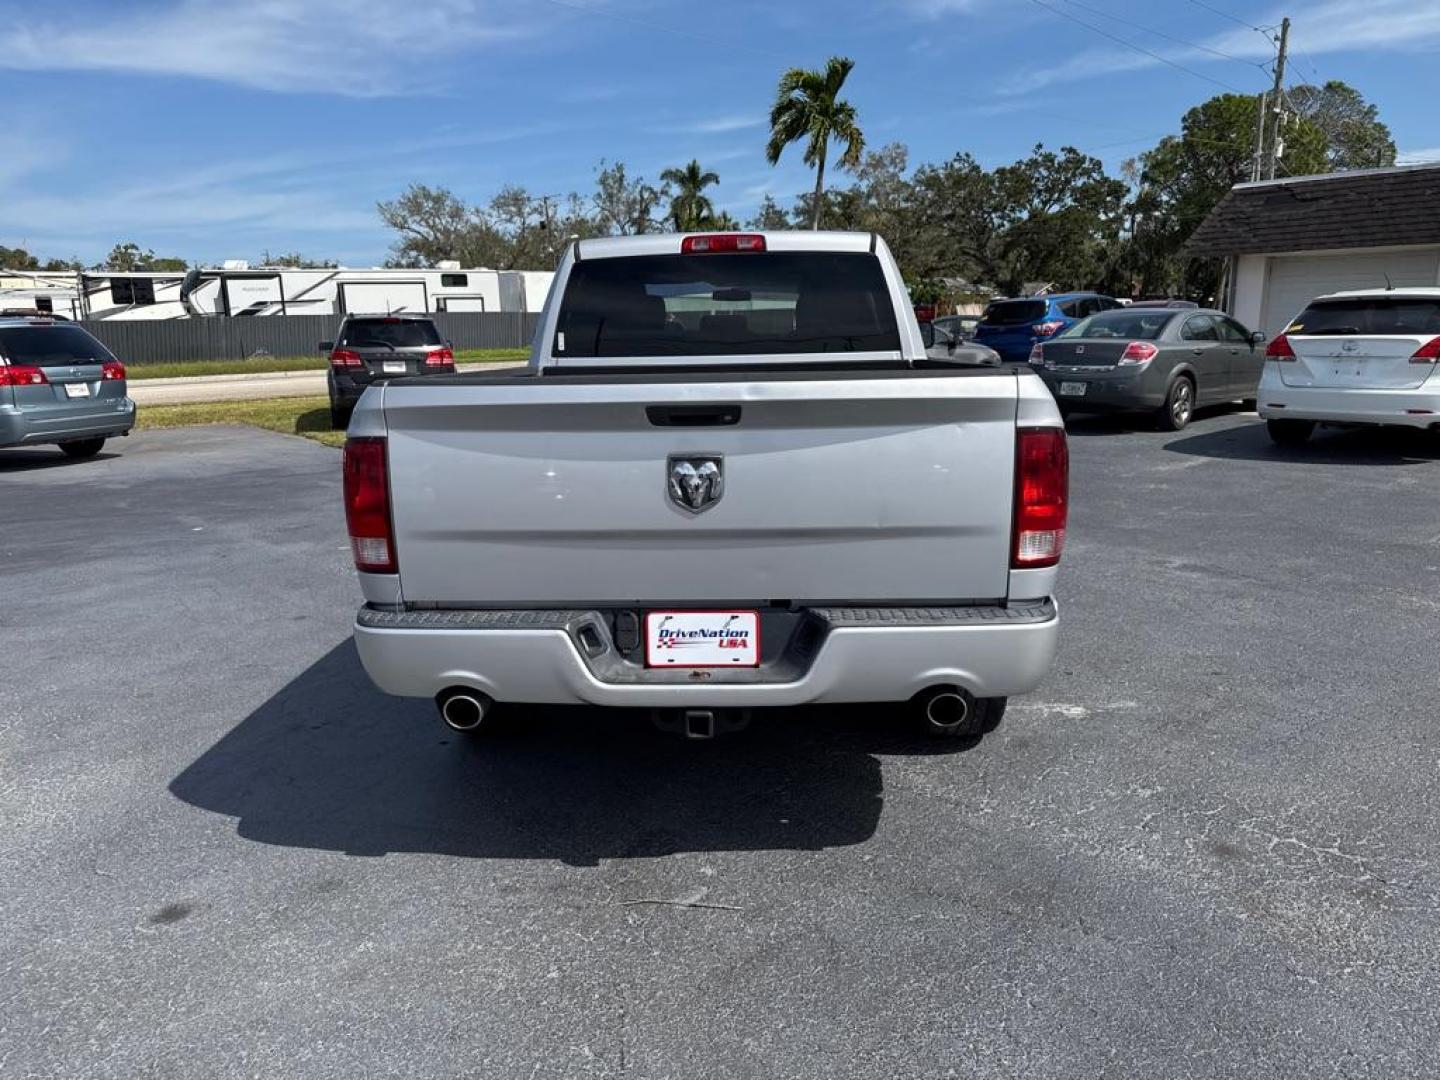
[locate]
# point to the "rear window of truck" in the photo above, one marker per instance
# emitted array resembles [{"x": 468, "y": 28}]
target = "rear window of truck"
[
  {"x": 726, "y": 304},
  {"x": 1370, "y": 315},
  {"x": 396, "y": 333},
  {"x": 51, "y": 346}
]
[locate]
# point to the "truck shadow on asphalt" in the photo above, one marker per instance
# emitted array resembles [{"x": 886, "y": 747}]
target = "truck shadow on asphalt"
[
  {"x": 1328, "y": 446},
  {"x": 331, "y": 763}
]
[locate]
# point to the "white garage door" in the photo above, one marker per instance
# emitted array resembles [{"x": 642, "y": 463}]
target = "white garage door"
[{"x": 1295, "y": 280}]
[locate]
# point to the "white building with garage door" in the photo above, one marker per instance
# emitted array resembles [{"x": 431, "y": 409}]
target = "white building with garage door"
[{"x": 1289, "y": 241}]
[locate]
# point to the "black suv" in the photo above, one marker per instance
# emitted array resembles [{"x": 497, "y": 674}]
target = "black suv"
[{"x": 373, "y": 348}]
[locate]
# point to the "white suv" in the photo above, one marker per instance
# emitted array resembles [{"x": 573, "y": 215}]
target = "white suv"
[{"x": 1355, "y": 358}]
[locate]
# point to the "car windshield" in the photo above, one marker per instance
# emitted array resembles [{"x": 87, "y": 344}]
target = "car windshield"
[
  {"x": 51, "y": 346},
  {"x": 1369, "y": 315},
  {"x": 1014, "y": 312},
  {"x": 741, "y": 304},
  {"x": 394, "y": 333},
  {"x": 1143, "y": 325}
]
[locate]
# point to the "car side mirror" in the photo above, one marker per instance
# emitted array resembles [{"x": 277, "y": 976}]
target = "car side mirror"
[
  {"x": 327, "y": 346},
  {"x": 927, "y": 334},
  {"x": 1257, "y": 338}
]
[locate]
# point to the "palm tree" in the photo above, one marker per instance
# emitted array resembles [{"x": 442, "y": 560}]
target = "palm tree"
[
  {"x": 690, "y": 208},
  {"x": 807, "y": 106}
]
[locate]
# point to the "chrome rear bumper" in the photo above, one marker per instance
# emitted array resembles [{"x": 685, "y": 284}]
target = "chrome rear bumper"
[{"x": 841, "y": 655}]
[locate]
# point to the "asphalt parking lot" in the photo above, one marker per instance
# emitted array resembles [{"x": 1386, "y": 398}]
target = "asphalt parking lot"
[{"x": 1205, "y": 849}]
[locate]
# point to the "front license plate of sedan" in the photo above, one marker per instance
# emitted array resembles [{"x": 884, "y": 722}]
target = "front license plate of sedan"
[
  {"x": 393, "y": 367},
  {"x": 77, "y": 389},
  {"x": 1073, "y": 389},
  {"x": 696, "y": 639}
]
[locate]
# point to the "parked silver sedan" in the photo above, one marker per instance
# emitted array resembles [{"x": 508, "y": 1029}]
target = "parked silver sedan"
[
  {"x": 60, "y": 386},
  {"x": 1164, "y": 361}
]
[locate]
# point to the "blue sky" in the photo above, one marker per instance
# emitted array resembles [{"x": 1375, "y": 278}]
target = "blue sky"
[{"x": 212, "y": 129}]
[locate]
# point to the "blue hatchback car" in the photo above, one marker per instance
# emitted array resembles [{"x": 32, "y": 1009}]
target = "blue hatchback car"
[{"x": 1014, "y": 327}]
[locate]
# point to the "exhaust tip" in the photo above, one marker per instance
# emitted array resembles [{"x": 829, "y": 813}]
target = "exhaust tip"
[
  {"x": 464, "y": 710},
  {"x": 946, "y": 710}
]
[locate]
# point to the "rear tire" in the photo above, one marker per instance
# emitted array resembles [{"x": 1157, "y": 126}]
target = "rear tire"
[
  {"x": 82, "y": 448},
  {"x": 1179, "y": 405},
  {"x": 339, "y": 417},
  {"x": 1290, "y": 432}
]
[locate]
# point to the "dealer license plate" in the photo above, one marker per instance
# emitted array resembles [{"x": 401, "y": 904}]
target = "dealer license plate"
[
  {"x": 77, "y": 389},
  {"x": 1073, "y": 389},
  {"x": 702, "y": 639},
  {"x": 393, "y": 367}
]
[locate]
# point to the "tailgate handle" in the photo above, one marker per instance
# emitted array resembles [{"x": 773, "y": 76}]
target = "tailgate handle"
[{"x": 693, "y": 415}]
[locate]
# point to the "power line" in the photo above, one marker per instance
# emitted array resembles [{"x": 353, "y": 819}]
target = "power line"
[
  {"x": 1131, "y": 45},
  {"x": 1226, "y": 15},
  {"x": 1163, "y": 34}
]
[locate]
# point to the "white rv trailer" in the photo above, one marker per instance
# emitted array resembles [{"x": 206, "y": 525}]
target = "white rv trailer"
[
  {"x": 238, "y": 290},
  {"x": 47, "y": 291}
]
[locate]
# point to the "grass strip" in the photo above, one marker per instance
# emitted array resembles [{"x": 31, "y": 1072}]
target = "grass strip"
[
  {"x": 307, "y": 416},
  {"x": 266, "y": 364}
]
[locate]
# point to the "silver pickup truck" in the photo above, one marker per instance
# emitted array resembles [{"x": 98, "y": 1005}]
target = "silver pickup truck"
[{"x": 730, "y": 477}]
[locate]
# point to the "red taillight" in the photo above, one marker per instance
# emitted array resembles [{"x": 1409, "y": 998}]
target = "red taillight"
[
  {"x": 700, "y": 245},
  {"x": 20, "y": 375},
  {"x": 1427, "y": 353},
  {"x": 344, "y": 358},
  {"x": 367, "y": 506},
  {"x": 1279, "y": 349},
  {"x": 1045, "y": 329},
  {"x": 439, "y": 358},
  {"x": 1138, "y": 352},
  {"x": 112, "y": 370},
  {"x": 1042, "y": 490}
]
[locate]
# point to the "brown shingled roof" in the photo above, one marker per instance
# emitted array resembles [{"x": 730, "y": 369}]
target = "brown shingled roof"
[{"x": 1365, "y": 208}]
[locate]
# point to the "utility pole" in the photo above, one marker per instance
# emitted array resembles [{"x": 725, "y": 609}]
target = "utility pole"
[
  {"x": 1278, "y": 100},
  {"x": 1257, "y": 160}
]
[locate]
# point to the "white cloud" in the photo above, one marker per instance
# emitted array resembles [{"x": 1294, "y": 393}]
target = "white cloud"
[
  {"x": 934, "y": 9},
  {"x": 1418, "y": 157},
  {"x": 1330, "y": 26},
  {"x": 718, "y": 125},
  {"x": 284, "y": 200},
  {"x": 358, "y": 48}
]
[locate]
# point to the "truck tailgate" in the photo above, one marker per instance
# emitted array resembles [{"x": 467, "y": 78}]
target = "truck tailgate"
[{"x": 843, "y": 487}]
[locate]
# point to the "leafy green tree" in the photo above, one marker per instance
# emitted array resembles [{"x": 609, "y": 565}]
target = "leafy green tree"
[
  {"x": 625, "y": 207},
  {"x": 1051, "y": 216},
  {"x": 17, "y": 259},
  {"x": 808, "y": 109},
  {"x": 1183, "y": 178},
  {"x": 295, "y": 260},
  {"x": 1357, "y": 139},
  {"x": 129, "y": 257},
  {"x": 690, "y": 207},
  {"x": 770, "y": 217}
]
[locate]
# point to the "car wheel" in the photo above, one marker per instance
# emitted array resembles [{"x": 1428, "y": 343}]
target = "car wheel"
[
  {"x": 339, "y": 417},
  {"x": 1179, "y": 405},
  {"x": 1290, "y": 432},
  {"x": 82, "y": 448}
]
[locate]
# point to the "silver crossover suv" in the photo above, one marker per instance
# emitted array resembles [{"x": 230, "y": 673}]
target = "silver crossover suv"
[{"x": 58, "y": 385}]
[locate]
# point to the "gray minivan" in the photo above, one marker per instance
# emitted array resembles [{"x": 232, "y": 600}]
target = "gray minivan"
[
  {"x": 59, "y": 386},
  {"x": 1161, "y": 360}
]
